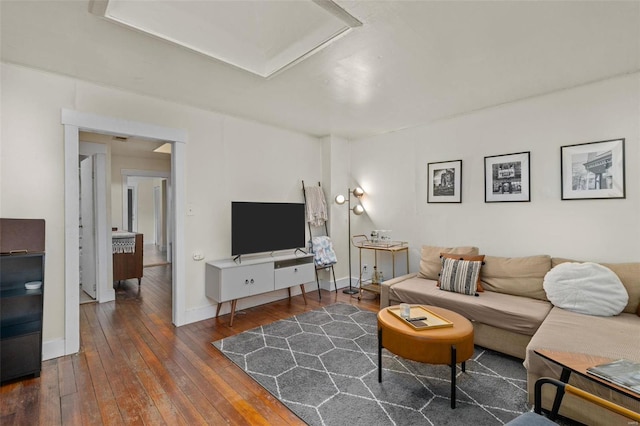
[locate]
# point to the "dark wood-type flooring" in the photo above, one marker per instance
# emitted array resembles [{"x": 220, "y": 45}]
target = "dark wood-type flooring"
[{"x": 135, "y": 367}]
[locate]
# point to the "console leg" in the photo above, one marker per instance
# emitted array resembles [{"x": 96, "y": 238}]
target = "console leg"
[
  {"x": 233, "y": 311},
  {"x": 218, "y": 309},
  {"x": 304, "y": 295}
]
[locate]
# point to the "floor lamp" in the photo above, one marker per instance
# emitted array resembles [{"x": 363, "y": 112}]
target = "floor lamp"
[{"x": 357, "y": 210}]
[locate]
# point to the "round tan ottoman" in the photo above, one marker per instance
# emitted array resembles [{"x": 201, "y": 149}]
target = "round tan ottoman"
[{"x": 449, "y": 345}]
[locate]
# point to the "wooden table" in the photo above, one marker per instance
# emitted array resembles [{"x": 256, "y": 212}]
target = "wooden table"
[
  {"x": 448, "y": 345},
  {"x": 578, "y": 363}
]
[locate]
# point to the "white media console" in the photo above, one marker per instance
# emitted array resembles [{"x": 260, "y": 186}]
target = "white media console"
[{"x": 228, "y": 280}]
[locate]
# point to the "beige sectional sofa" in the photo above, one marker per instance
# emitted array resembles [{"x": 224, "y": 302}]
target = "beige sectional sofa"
[{"x": 513, "y": 316}]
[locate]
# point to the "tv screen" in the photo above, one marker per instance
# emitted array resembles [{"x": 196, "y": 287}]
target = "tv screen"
[{"x": 262, "y": 227}]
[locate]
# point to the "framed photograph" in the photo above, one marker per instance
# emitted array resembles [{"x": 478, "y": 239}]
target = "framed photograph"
[
  {"x": 444, "y": 182},
  {"x": 507, "y": 178},
  {"x": 593, "y": 170}
]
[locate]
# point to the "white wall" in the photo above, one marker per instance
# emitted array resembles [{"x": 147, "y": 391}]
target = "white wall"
[
  {"x": 392, "y": 169},
  {"x": 226, "y": 159}
]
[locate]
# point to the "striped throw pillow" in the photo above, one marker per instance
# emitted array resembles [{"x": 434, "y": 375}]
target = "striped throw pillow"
[{"x": 460, "y": 276}]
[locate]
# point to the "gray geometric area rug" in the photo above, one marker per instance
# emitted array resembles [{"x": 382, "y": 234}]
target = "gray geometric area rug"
[{"x": 323, "y": 366}]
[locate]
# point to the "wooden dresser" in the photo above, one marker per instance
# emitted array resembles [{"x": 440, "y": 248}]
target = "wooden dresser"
[{"x": 129, "y": 265}]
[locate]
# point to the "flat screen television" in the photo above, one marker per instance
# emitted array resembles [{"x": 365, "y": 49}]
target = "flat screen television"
[{"x": 261, "y": 227}]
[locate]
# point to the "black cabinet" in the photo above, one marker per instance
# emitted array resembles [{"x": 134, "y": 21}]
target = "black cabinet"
[{"x": 21, "y": 308}]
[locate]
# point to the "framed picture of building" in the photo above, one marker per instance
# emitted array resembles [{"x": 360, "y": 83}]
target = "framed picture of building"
[
  {"x": 444, "y": 182},
  {"x": 593, "y": 170},
  {"x": 507, "y": 177}
]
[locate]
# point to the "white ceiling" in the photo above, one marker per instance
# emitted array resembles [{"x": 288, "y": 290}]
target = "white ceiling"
[
  {"x": 263, "y": 37},
  {"x": 411, "y": 62}
]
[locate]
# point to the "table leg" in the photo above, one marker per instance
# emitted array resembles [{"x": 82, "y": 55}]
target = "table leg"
[
  {"x": 233, "y": 311},
  {"x": 564, "y": 377},
  {"x": 453, "y": 376},
  {"x": 304, "y": 295},
  {"x": 218, "y": 309},
  {"x": 406, "y": 252},
  {"x": 393, "y": 263},
  {"x": 379, "y": 355}
]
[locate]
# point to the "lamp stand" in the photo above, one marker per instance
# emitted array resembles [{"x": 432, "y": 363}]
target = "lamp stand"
[{"x": 349, "y": 290}]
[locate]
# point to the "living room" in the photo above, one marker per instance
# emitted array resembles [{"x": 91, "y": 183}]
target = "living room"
[{"x": 229, "y": 157}]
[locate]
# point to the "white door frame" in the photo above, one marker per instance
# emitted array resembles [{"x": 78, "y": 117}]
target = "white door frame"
[
  {"x": 104, "y": 291},
  {"x": 74, "y": 122}
]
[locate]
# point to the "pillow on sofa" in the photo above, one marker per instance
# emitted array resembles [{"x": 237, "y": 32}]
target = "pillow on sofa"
[
  {"x": 476, "y": 258},
  {"x": 430, "y": 263},
  {"x": 460, "y": 276},
  {"x": 629, "y": 274},
  {"x": 519, "y": 276},
  {"x": 586, "y": 288}
]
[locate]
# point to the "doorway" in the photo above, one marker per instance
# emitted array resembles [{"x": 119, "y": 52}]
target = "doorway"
[
  {"x": 146, "y": 211},
  {"x": 74, "y": 122}
]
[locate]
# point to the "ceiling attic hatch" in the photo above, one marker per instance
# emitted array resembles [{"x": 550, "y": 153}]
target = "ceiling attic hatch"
[{"x": 262, "y": 37}]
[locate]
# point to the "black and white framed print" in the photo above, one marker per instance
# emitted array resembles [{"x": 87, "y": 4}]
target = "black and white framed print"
[
  {"x": 444, "y": 182},
  {"x": 507, "y": 177},
  {"x": 593, "y": 170}
]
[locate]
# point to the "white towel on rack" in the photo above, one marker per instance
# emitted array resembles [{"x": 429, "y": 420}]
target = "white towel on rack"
[{"x": 316, "y": 205}]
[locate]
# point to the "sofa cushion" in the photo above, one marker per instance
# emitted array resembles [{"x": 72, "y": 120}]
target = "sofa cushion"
[
  {"x": 460, "y": 276},
  {"x": 517, "y": 314},
  {"x": 430, "y": 263},
  {"x": 474, "y": 258},
  {"x": 585, "y": 288},
  {"x": 566, "y": 331},
  {"x": 607, "y": 337},
  {"x": 629, "y": 274},
  {"x": 519, "y": 276}
]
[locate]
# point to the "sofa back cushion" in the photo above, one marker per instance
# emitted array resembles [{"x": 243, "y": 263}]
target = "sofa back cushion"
[
  {"x": 430, "y": 262},
  {"x": 519, "y": 276},
  {"x": 629, "y": 274}
]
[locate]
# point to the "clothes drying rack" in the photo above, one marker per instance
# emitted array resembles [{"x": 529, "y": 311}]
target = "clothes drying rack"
[{"x": 326, "y": 230}]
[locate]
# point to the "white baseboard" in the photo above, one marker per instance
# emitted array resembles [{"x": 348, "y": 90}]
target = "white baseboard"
[{"x": 53, "y": 349}]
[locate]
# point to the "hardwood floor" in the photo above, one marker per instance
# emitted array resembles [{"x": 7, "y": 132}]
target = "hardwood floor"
[
  {"x": 135, "y": 367},
  {"x": 153, "y": 256}
]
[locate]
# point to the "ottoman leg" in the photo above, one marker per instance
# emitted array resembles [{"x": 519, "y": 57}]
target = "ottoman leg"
[
  {"x": 379, "y": 355},
  {"x": 453, "y": 376}
]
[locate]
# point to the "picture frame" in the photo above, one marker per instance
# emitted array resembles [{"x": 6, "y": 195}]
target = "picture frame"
[
  {"x": 593, "y": 170},
  {"x": 507, "y": 178},
  {"x": 444, "y": 182}
]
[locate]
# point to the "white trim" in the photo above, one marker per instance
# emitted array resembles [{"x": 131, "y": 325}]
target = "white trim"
[
  {"x": 53, "y": 349},
  {"x": 104, "y": 268},
  {"x": 119, "y": 127},
  {"x": 71, "y": 238},
  {"x": 73, "y": 122},
  {"x": 145, "y": 173},
  {"x": 177, "y": 211}
]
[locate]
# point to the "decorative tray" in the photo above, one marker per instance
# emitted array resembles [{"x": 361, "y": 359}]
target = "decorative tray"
[
  {"x": 381, "y": 244},
  {"x": 421, "y": 318}
]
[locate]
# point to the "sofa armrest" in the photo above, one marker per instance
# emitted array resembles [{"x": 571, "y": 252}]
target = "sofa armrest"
[{"x": 386, "y": 285}]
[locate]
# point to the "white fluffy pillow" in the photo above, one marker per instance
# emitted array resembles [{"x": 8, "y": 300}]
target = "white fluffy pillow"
[{"x": 586, "y": 288}]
